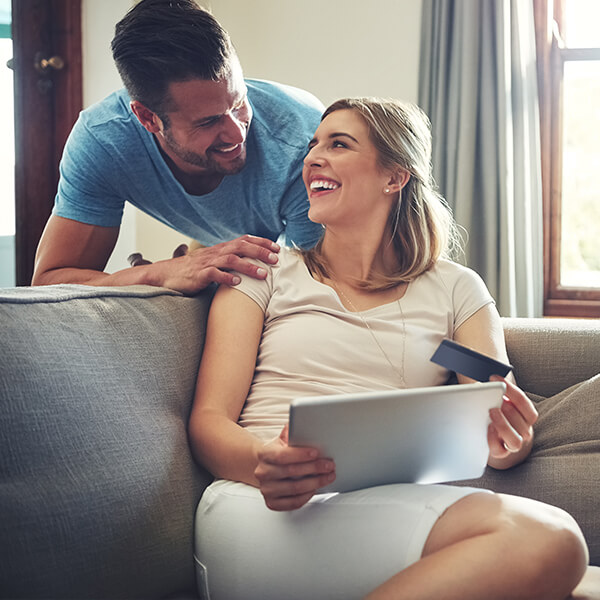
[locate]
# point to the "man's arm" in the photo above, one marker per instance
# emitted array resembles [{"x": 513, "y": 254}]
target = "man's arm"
[{"x": 74, "y": 252}]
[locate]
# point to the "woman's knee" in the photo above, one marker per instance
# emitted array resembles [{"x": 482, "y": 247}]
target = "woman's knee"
[
  {"x": 539, "y": 543},
  {"x": 552, "y": 545}
]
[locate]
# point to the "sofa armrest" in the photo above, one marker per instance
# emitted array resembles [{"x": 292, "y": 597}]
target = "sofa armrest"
[{"x": 550, "y": 355}]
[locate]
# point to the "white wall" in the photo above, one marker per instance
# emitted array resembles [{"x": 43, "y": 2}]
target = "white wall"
[
  {"x": 98, "y": 19},
  {"x": 100, "y": 78},
  {"x": 332, "y": 48}
]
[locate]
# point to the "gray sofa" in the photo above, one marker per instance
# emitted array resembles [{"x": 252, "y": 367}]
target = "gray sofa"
[{"x": 97, "y": 485}]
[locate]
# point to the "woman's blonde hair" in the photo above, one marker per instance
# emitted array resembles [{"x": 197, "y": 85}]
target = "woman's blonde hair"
[{"x": 421, "y": 222}]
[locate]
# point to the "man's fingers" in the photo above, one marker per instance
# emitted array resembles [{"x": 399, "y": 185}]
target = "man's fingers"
[
  {"x": 249, "y": 246},
  {"x": 192, "y": 271},
  {"x": 249, "y": 250},
  {"x": 215, "y": 275},
  {"x": 216, "y": 263},
  {"x": 260, "y": 241},
  {"x": 232, "y": 262}
]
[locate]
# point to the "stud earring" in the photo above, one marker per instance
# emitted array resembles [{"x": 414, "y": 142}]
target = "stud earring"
[{"x": 387, "y": 190}]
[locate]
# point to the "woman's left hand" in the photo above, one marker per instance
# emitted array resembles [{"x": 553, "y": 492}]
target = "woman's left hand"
[{"x": 510, "y": 434}]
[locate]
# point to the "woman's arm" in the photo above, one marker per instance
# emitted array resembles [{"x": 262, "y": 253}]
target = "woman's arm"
[
  {"x": 233, "y": 334},
  {"x": 510, "y": 435},
  {"x": 287, "y": 477}
]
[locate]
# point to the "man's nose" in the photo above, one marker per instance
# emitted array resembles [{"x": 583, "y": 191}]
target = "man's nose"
[{"x": 234, "y": 130}]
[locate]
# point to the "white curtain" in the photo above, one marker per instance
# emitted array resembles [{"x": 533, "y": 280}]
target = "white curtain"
[{"x": 478, "y": 85}]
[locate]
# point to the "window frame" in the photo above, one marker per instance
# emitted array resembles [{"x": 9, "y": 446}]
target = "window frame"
[{"x": 551, "y": 57}]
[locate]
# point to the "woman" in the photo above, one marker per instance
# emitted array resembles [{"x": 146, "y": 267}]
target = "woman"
[{"x": 364, "y": 310}]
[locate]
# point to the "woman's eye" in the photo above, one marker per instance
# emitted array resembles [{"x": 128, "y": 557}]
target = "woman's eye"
[{"x": 338, "y": 144}]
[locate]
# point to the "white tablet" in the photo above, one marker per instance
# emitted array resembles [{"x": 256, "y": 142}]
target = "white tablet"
[{"x": 421, "y": 435}]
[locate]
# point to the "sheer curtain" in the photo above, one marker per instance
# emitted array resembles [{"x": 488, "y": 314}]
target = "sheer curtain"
[{"x": 478, "y": 85}]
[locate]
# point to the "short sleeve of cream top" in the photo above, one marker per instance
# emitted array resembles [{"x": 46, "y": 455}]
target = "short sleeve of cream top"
[{"x": 312, "y": 345}]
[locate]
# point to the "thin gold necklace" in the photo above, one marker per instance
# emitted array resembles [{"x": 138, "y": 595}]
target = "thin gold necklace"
[{"x": 400, "y": 374}]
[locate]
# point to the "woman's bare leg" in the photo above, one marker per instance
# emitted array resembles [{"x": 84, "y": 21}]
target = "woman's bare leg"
[{"x": 494, "y": 546}]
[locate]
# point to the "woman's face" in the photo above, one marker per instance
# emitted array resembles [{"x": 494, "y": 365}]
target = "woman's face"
[{"x": 341, "y": 172}]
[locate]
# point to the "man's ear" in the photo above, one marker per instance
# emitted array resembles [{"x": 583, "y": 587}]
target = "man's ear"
[
  {"x": 398, "y": 180},
  {"x": 149, "y": 119}
]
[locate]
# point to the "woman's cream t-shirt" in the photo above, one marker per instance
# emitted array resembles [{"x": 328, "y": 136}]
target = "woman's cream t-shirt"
[{"x": 312, "y": 345}]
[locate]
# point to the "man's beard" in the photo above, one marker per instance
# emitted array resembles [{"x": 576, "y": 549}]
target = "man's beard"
[{"x": 205, "y": 161}]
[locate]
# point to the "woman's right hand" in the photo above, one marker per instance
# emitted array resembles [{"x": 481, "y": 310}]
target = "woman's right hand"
[{"x": 289, "y": 476}]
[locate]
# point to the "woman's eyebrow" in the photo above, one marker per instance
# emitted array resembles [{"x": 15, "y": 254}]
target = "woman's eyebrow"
[
  {"x": 342, "y": 134},
  {"x": 332, "y": 136}
]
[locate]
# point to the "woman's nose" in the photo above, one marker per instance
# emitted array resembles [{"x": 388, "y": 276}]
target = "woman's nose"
[{"x": 313, "y": 157}]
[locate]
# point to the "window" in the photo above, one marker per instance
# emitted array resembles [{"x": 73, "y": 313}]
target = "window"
[{"x": 568, "y": 47}]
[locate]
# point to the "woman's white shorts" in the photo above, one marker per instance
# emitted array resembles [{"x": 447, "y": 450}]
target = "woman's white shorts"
[{"x": 337, "y": 546}]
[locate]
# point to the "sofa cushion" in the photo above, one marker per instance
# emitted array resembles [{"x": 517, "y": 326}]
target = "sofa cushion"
[
  {"x": 563, "y": 468},
  {"x": 97, "y": 485}
]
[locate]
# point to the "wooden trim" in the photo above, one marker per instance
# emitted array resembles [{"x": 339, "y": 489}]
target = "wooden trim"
[
  {"x": 543, "y": 40},
  {"x": 576, "y": 294},
  {"x": 29, "y": 33},
  {"x": 585, "y": 309},
  {"x": 69, "y": 84},
  {"x": 551, "y": 55},
  {"x": 46, "y": 107},
  {"x": 556, "y": 137}
]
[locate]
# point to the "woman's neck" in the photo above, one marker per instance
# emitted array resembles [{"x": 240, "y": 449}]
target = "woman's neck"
[{"x": 351, "y": 259}]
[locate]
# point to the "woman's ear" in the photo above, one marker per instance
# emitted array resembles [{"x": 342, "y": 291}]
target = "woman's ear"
[
  {"x": 398, "y": 180},
  {"x": 149, "y": 119}
]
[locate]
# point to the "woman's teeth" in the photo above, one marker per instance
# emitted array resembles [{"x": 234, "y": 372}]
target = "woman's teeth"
[{"x": 319, "y": 185}]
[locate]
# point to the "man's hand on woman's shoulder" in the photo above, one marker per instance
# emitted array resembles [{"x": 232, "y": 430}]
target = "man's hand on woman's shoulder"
[{"x": 190, "y": 271}]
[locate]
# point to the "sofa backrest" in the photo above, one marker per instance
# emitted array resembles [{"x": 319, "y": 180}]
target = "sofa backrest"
[
  {"x": 97, "y": 486},
  {"x": 550, "y": 354}
]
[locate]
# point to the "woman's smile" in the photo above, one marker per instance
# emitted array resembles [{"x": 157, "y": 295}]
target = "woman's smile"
[{"x": 320, "y": 186}]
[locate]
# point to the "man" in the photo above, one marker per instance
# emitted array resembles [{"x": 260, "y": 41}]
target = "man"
[{"x": 190, "y": 143}]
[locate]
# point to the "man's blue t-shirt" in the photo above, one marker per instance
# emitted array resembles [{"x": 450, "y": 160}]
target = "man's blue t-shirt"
[{"x": 110, "y": 158}]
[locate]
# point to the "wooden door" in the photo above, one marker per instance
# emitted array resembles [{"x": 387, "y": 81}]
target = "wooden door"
[{"x": 48, "y": 97}]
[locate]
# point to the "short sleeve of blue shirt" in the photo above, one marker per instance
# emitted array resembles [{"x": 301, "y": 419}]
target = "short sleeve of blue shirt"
[
  {"x": 91, "y": 173},
  {"x": 111, "y": 159}
]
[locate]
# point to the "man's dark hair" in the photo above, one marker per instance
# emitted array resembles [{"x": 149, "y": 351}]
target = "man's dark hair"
[{"x": 162, "y": 41}]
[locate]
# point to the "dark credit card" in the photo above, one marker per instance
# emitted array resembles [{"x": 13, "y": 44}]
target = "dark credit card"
[{"x": 467, "y": 362}]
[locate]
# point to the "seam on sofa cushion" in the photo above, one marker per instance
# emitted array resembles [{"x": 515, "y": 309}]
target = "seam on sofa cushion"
[{"x": 66, "y": 292}]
